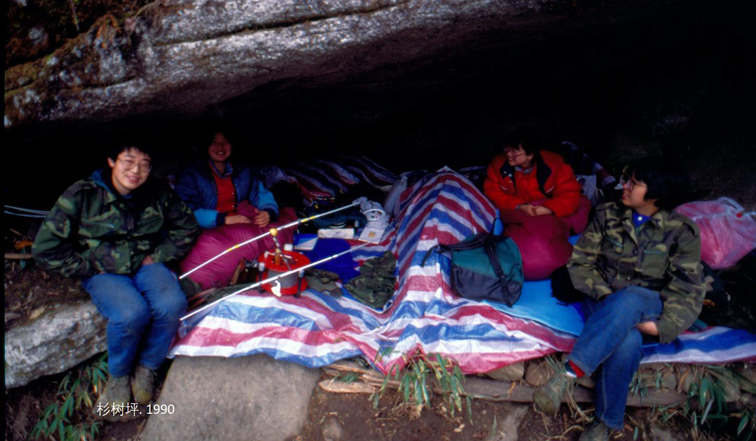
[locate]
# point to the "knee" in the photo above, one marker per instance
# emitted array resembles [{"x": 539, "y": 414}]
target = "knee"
[
  {"x": 625, "y": 300},
  {"x": 132, "y": 317},
  {"x": 171, "y": 306},
  {"x": 631, "y": 348}
]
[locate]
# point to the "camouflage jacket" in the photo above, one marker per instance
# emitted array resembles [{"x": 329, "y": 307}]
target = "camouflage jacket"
[
  {"x": 663, "y": 254},
  {"x": 92, "y": 229}
]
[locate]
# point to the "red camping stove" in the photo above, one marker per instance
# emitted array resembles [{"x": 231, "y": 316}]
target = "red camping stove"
[{"x": 293, "y": 284}]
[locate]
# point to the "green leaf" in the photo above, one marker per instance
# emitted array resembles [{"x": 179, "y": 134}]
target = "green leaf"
[
  {"x": 64, "y": 383},
  {"x": 706, "y": 412},
  {"x": 635, "y": 433},
  {"x": 61, "y": 430},
  {"x": 743, "y": 423}
]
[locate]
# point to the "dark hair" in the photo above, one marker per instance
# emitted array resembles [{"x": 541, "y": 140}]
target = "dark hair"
[
  {"x": 115, "y": 149},
  {"x": 525, "y": 136},
  {"x": 207, "y": 131},
  {"x": 667, "y": 180}
]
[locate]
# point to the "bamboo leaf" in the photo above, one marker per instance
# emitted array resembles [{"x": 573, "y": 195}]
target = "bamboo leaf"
[
  {"x": 706, "y": 412},
  {"x": 743, "y": 423}
]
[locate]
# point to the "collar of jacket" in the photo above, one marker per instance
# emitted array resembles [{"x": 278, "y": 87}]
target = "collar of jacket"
[
  {"x": 657, "y": 220},
  {"x": 103, "y": 178},
  {"x": 230, "y": 170}
]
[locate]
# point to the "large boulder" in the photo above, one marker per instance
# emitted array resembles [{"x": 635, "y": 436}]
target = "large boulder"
[
  {"x": 250, "y": 398},
  {"x": 53, "y": 342},
  {"x": 183, "y": 57}
]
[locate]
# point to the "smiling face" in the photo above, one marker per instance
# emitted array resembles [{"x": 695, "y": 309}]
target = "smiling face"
[
  {"x": 220, "y": 150},
  {"x": 130, "y": 170},
  {"x": 518, "y": 157}
]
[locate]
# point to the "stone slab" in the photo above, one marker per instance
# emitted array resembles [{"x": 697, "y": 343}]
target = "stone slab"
[{"x": 249, "y": 398}]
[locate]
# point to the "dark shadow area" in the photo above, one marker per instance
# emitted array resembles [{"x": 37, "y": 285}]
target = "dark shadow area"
[{"x": 679, "y": 83}]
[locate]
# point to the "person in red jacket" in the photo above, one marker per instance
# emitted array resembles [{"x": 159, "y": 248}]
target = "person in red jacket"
[{"x": 539, "y": 200}]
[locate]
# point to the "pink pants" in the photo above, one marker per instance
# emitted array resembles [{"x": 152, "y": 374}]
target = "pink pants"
[{"x": 543, "y": 240}]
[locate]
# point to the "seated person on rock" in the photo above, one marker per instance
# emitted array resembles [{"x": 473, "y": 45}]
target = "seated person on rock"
[
  {"x": 638, "y": 263},
  {"x": 115, "y": 230},
  {"x": 232, "y": 206},
  {"x": 539, "y": 200}
]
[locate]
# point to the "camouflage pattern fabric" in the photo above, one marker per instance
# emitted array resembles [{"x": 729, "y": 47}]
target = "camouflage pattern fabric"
[
  {"x": 375, "y": 284},
  {"x": 663, "y": 254},
  {"x": 323, "y": 281},
  {"x": 91, "y": 229}
]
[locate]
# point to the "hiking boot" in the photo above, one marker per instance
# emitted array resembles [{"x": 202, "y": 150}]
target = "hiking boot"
[
  {"x": 116, "y": 394},
  {"x": 596, "y": 431},
  {"x": 142, "y": 385},
  {"x": 548, "y": 397}
]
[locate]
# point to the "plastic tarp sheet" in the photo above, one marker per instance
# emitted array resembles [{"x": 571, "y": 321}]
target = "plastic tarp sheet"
[{"x": 425, "y": 315}]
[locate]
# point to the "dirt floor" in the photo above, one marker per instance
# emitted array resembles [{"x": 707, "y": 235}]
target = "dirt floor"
[{"x": 393, "y": 420}]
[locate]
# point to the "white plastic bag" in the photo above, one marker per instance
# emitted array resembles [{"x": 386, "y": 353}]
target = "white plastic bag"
[{"x": 728, "y": 233}]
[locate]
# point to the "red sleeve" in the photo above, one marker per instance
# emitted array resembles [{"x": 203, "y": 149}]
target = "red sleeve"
[
  {"x": 566, "y": 195},
  {"x": 492, "y": 187}
]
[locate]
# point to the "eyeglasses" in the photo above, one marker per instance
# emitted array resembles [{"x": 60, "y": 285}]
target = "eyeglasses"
[
  {"x": 142, "y": 167},
  {"x": 513, "y": 153},
  {"x": 630, "y": 182}
]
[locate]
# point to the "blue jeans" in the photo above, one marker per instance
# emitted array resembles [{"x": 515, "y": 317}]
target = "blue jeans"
[
  {"x": 611, "y": 346},
  {"x": 143, "y": 315}
]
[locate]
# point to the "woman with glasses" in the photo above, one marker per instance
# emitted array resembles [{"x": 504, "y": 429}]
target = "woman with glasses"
[
  {"x": 231, "y": 205},
  {"x": 539, "y": 200},
  {"x": 116, "y": 230}
]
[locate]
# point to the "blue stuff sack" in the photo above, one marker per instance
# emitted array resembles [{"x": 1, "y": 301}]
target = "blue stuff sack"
[{"x": 485, "y": 266}]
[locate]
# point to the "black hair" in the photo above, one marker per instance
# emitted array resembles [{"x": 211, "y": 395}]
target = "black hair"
[
  {"x": 115, "y": 149},
  {"x": 528, "y": 138},
  {"x": 207, "y": 131},
  {"x": 525, "y": 136},
  {"x": 667, "y": 180}
]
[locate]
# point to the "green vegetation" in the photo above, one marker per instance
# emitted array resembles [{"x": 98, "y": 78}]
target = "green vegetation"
[
  {"x": 71, "y": 416},
  {"x": 421, "y": 375}
]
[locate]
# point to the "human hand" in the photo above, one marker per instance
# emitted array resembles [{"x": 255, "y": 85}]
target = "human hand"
[
  {"x": 527, "y": 208},
  {"x": 648, "y": 328},
  {"x": 540, "y": 210},
  {"x": 147, "y": 261},
  {"x": 237, "y": 219},
  {"x": 262, "y": 219}
]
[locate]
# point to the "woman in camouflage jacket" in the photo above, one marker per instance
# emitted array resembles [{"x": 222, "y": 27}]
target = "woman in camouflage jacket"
[{"x": 639, "y": 265}]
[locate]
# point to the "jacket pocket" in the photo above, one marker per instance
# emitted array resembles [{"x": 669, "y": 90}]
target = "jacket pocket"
[
  {"x": 93, "y": 229},
  {"x": 654, "y": 262}
]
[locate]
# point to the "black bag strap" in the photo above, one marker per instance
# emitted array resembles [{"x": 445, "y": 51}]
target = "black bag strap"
[
  {"x": 491, "y": 252},
  {"x": 504, "y": 281}
]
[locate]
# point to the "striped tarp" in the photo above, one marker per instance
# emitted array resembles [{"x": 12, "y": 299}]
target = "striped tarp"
[{"x": 316, "y": 330}]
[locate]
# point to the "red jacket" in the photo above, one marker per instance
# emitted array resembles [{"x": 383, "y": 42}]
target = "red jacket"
[{"x": 561, "y": 188}]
